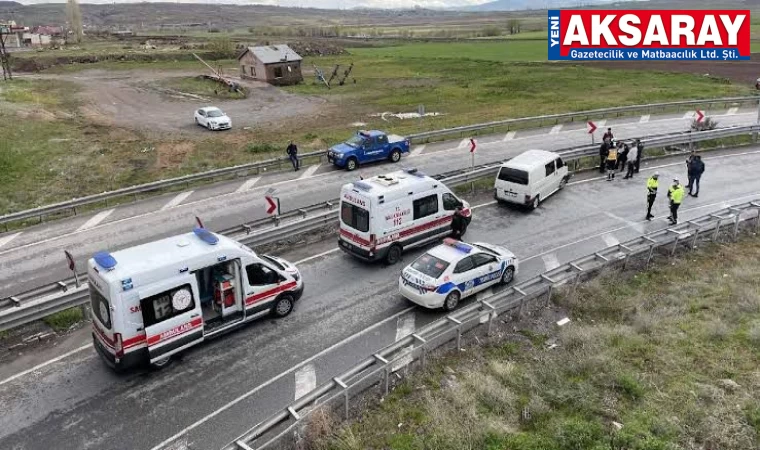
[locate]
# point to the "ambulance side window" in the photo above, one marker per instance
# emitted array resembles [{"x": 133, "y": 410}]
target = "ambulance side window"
[
  {"x": 261, "y": 275},
  {"x": 425, "y": 206},
  {"x": 450, "y": 202},
  {"x": 163, "y": 306}
]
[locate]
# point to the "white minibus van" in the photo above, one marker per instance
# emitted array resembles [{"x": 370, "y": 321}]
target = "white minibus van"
[{"x": 530, "y": 178}]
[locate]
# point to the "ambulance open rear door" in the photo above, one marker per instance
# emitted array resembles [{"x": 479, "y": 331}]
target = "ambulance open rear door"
[{"x": 172, "y": 316}]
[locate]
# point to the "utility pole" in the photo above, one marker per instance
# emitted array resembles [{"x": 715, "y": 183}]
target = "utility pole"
[{"x": 5, "y": 30}]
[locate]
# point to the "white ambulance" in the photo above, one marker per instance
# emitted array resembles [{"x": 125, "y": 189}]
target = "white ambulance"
[
  {"x": 382, "y": 216},
  {"x": 157, "y": 299}
]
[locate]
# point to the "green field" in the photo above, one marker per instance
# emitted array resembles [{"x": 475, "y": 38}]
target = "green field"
[
  {"x": 661, "y": 360},
  {"x": 501, "y": 51}
]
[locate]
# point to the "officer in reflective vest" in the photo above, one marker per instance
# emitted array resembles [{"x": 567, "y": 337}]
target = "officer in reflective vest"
[
  {"x": 675, "y": 194},
  {"x": 611, "y": 161},
  {"x": 652, "y": 185}
]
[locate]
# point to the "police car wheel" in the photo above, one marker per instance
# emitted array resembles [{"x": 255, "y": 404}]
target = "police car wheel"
[
  {"x": 283, "y": 306},
  {"x": 452, "y": 300},
  {"x": 508, "y": 275},
  {"x": 395, "y": 156},
  {"x": 351, "y": 164},
  {"x": 394, "y": 255}
]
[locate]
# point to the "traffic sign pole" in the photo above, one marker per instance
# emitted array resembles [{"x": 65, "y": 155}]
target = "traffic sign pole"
[
  {"x": 473, "y": 146},
  {"x": 72, "y": 266},
  {"x": 591, "y": 129}
]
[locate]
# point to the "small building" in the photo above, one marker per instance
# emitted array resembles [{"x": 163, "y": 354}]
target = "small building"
[{"x": 275, "y": 64}]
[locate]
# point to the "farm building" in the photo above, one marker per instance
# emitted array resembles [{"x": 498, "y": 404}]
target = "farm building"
[{"x": 275, "y": 64}]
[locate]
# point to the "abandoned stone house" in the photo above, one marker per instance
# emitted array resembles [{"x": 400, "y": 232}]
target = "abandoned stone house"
[{"x": 275, "y": 64}]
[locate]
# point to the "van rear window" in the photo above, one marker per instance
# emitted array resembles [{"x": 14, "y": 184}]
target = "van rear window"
[
  {"x": 100, "y": 307},
  {"x": 430, "y": 265},
  {"x": 511, "y": 175},
  {"x": 354, "y": 217}
]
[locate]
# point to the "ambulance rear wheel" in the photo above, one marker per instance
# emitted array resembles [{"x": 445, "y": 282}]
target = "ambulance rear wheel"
[
  {"x": 452, "y": 300},
  {"x": 283, "y": 306},
  {"x": 395, "y": 156},
  {"x": 161, "y": 363},
  {"x": 351, "y": 164},
  {"x": 394, "y": 255}
]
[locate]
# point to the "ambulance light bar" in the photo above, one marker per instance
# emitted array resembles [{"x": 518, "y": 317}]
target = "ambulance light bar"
[
  {"x": 363, "y": 186},
  {"x": 205, "y": 235},
  {"x": 461, "y": 246},
  {"x": 104, "y": 260}
]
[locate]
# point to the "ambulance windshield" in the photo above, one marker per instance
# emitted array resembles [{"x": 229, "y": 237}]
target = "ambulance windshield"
[
  {"x": 354, "y": 217},
  {"x": 430, "y": 265}
]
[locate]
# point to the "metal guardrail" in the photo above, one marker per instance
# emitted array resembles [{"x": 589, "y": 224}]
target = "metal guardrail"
[
  {"x": 378, "y": 368},
  {"x": 40, "y": 302},
  {"x": 257, "y": 167}
]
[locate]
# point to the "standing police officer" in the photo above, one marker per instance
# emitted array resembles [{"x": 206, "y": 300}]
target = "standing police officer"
[
  {"x": 675, "y": 194},
  {"x": 652, "y": 185}
]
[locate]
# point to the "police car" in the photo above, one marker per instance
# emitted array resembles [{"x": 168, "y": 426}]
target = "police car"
[{"x": 455, "y": 270}]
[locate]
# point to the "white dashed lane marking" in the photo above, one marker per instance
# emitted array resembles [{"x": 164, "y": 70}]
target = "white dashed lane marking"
[
  {"x": 310, "y": 171},
  {"x": 405, "y": 326},
  {"x": 306, "y": 380},
  {"x": 5, "y": 240},
  {"x": 417, "y": 150},
  {"x": 464, "y": 143},
  {"x": 610, "y": 240},
  {"x": 510, "y": 135},
  {"x": 644, "y": 118},
  {"x": 248, "y": 184},
  {"x": 732, "y": 111},
  {"x": 179, "y": 198},
  {"x": 96, "y": 219},
  {"x": 556, "y": 129},
  {"x": 550, "y": 261}
]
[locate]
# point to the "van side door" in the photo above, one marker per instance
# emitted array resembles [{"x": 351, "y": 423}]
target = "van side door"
[
  {"x": 262, "y": 285},
  {"x": 172, "y": 316},
  {"x": 551, "y": 181}
]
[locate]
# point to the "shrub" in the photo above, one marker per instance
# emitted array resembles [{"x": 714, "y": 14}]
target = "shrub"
[
  {"x": 63, "y": 320},
  {"x": 260, "y": 148}
]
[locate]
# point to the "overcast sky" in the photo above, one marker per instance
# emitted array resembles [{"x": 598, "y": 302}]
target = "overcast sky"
[{"x": 336, "y": 4}]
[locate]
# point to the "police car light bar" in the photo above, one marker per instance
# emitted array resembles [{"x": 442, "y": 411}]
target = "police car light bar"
[
  {"x": 363, "y": 186},
  {"x": 104, "y": 260},
  {"x": 205, "y": 235},
  {"x": 461, "y": 246}
]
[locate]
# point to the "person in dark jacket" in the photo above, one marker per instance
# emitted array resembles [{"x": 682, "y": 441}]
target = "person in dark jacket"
[
  {"x": 695, "y": 174},
  {"x": 292, "y": 152},
  {"x": 604, "y": 149},
  {"x": 458, "y": 223},
  {"x": 623, "y": 150},
  {"x": 640, "y": 152},
  {"x": 608, "y": 135},
  {"x": 690, "y": 168}
]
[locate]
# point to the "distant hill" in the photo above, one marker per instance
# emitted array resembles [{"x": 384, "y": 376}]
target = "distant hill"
[{"x": 520, "y": 5}]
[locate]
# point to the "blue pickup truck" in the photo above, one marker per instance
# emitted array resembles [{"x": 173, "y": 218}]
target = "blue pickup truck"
[{"x": 368, "y": 146}]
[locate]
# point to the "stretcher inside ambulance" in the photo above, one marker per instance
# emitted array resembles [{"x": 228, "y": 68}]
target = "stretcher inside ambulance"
[
  {"x": 154, "y": 300},
  {"x": 383, "y": 216}
]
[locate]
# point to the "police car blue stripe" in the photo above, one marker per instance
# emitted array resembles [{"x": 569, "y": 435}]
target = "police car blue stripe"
[{"x": 447, "y": 287}]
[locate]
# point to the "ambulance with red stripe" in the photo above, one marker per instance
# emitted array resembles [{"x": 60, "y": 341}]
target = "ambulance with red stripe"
[
  {"x": 383, "y": 216},
  {"x": 154, "y": 300}
]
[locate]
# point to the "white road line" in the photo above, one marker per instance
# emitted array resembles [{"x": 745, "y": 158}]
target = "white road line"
[
  {"x": 248, "y": 184},
  {"x": 179, "y": 198},
  {"x": 636, "y": 226},
  {"x": 239, "y": 399},
  {"x": 556, "y": 129},
  {"x": 96, "y": 219},
  {"x": 645, "y": 118},
  {"x": 610, "y": 240},
  {"x": 601, "y": 123},
  {"x": 306, "y": 380},
  {"x": 732, "y": 111},
  {"x": 6, "y": 239},
  {"x": 405, "y": 326},
  {"x": 550, "y": 261},
  {"x": 510, "y": 135},
  {"x": 319, "y": 255},
  {"x": 309, "y": 172},
  {"x": 417, "y": 150},
  {"x": 465, "y": 142},
  {"x": 689, "y": 115},
  {"x": 46, "y": 363}
]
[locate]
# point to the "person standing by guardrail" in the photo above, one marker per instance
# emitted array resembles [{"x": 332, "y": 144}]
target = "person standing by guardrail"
[
  {"x": 623, "y": 150},
  {"x": 292, "y": 152},
  {"x": 698, "y": 167},
  {"x": 633, "y": 154},
  {"x": 639, "y": 153},
  {"x": 652, "y": 185},
  {"x": 611, "y": 162},
  {"x": 604, "y": 150},
  {"x": 675, "y": 194}
]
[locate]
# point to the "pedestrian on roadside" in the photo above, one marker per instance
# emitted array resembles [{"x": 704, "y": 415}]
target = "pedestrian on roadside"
[
  {"x": 675, "y": 194},
  {"x": 691, "y": 168},
  {"x": 608, "y": 135},
  {"x": 699, "y": 168},
  {"x": 604, "y": 150},
  {"x": 622, "y": 160},
  {"x": 652, "y": 185},
  {"x": 611, "y": 161},
  {"x": 633, "y": 154},
  {"x": 292, "y": 152},
  {"x": 639, "y": 153}
]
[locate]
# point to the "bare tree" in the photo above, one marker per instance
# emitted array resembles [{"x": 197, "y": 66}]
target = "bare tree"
[
  {"x": 514, "y": 26},
  {"x": 74, "y": 17}
]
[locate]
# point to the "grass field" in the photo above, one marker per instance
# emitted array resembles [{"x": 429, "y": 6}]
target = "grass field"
[
  {"x": 515, "y": 49},
  {"x": 665, "y": 359}
]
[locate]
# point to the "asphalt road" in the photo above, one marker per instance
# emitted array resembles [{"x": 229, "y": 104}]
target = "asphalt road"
[
  {"x": 35, "y": 257},
  {"x": 219, "y": 390}
]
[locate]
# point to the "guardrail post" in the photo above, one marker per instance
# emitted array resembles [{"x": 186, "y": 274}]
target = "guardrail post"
[
  {"x": 522, "y": 301},
  {"x": 340, "y": 383},
  {"x": 577, "y": 277},
  {"x": 459, "y": 330},
  {"x": 387, "y": 375},
  {"x": 423, "y": 347},
  {"x": 651, "y": 254},
  {"x": 696, "y": 236},
  {"x": 737, "y": 221},
  {"x": 551, "y": 288},
  {"x": 675, "y": 245},
  {"x": 717, "y": 229},
  {"x": 491, "y": 316}
]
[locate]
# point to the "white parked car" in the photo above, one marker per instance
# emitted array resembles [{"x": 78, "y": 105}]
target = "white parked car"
[
  {"x": 455, "y": 270},
  {"x": 212, "y": 118}
]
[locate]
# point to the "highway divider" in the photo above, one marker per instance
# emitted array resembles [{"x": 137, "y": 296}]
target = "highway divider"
[
  {"x": 285, "y": 428},
  {"x": 36, "y": 304},
  {"x": 70, "y": 206}
]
